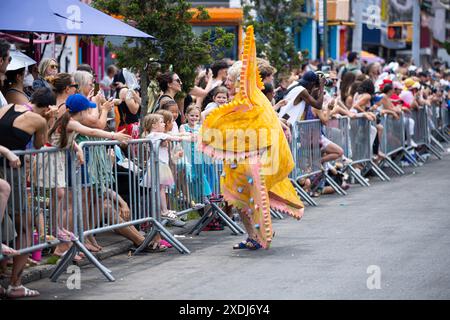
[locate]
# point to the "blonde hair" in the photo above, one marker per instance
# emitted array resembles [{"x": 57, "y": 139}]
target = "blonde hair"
[
  {"x": 150, "y": 120},
  {"x": 43, "y": 65},
  {"x": 82, "y": 78},
  {"x": 192, "y": 107},
  {"x": 221, "y": 89},
  {"x": 234, "y": 71},
  {"x": 265, "y": 69},
  {"x": 167, "y": 115}
]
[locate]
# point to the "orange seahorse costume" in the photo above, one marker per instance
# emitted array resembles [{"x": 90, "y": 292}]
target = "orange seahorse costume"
[{"x": 247, "y": 134}]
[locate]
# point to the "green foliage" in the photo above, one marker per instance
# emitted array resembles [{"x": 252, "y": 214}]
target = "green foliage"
[
  {"x": 274, "y": 24},
  {"x": 177, "y": 47}
]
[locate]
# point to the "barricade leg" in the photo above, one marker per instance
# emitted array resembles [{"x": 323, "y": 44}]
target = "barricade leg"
[
  {"x": 408, "y": 157},
  {"x": 393, "y": 166},
  {"x": 303, "y": 194},
  {"x": 441, "y": 134},
  {"x": 437, "y": 144},
  {"x": 170, "y": 238},
  {"x": 334, "y": 185},
  {"x": 230, "y": 223},
  {"x": 357, "y": 176},
  {"x": 63, "y": 263},
  {"x": 77, "y": 247},
  {"x": 276, "y": 214},
  {"x": 434, "y": 151},
  {"x": 377, "y": 170},
  {"x": 148, "y": 238},
  {"x": 216, "y": 212},
  {"x": 202, "y": 222}
]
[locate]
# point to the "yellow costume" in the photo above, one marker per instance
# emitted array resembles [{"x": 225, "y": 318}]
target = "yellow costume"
[{"x": 247, "y": 134}]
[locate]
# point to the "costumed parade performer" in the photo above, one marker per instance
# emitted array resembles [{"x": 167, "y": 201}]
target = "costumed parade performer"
[{"x": 246, "y": 133}]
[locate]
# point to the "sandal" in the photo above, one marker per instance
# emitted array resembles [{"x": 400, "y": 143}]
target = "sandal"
[
  {"x": 253, "y": 244},
  {"x": 7, "y": 251},
  {"x": 32, "y": 263},
  {"x": 12, "y": 292},
  {"x": 64, "y": 235},
  {"x": 165, "y": 243},
  {"x": 156, "y": 247},
  {"x": 241, "y": 245}
]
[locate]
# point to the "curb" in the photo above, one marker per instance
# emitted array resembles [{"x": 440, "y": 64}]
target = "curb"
[{"x": 44, "y": 271}]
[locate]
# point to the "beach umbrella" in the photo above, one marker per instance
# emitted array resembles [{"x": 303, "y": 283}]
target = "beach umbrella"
[{"x": 70, "y": 17}]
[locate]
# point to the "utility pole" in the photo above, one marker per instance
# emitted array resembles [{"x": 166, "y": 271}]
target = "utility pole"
[
  {"x": 325, "y": 32},
  {"x": 357, "y": 30},
  {"x": 416, "y": 32}
]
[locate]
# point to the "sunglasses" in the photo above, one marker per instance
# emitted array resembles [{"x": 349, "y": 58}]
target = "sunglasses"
[
  {"x": 54, "y": 66},
  {"x": 177, "y": 80},
  {"x": 74, "y": 86}
]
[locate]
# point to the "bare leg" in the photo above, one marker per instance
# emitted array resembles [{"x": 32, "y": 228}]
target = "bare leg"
[
  {"x": 162, "y": 192},
  {"x": 333, "y": 152},
  {"x": 328, "y": 190},
  {"x": 5, "y": 190},
  {"x": 247, "y": 225},
  {"x": 131, "y": 234},
  {"x": 380, "y": 135},
  {"x": 19, "y": 262}
]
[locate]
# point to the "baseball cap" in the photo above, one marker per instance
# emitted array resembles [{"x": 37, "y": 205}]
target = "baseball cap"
[
  {"x": 78, "y": 102},
  {"x": 308, "y": 78}
]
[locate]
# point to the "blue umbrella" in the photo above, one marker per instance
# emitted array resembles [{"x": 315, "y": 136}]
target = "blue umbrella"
[{"x": 69, "y": 17}]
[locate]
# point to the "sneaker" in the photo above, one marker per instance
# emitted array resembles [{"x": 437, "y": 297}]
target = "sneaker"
[
  {"x": 177, "y": 223},
  {"x": 413, "y": 144},
  {"x": 405, "y": 163}
]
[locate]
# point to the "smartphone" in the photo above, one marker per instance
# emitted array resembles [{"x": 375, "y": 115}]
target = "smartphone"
[
  {"x": 286, "y": 116},
  {"x": 96, "y": 88}
]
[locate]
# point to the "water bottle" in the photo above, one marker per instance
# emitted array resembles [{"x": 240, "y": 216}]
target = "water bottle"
[{"x": 36, "y": 255}]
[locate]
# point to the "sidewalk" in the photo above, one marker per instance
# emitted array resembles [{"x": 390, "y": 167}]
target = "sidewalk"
[{"x": 112, "y": 244}]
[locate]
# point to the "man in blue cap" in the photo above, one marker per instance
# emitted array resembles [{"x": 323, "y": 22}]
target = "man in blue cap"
[{"x": 298, "y": 96}]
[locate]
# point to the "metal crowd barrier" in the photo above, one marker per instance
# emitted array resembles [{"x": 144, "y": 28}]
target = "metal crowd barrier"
[
  {"x": 307, "y": 153},
  {"x": 445, "y": 116},
  {"x": 303, "y": 153},
  {"x": 422, "y": 131},
  {"x": 40, "y": 212},
  {"x": 338, "y": 131},
  {"x": 393, "y": 141},
  {"x": 104, "y": 188},
  {"x": 362, "y": 148},
  {"x": 197, "y": 185},
  {"x": 439, "y": 122}
]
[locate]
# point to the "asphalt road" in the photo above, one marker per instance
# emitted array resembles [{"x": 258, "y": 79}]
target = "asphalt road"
[{"x": 396, "y": 234}]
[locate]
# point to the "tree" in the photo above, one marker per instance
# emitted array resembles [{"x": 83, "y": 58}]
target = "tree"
[
  {"x": 176, "y": 45},
  {"x": 274, "y": 22}
]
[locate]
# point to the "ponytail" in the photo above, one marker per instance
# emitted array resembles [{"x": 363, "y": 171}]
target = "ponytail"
[{"x": 61, "y": 123}]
